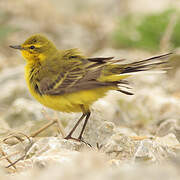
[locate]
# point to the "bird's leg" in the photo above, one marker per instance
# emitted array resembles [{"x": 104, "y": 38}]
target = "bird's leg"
[
  {"x": 86, "y": 115},
  {"x": 69, "y": 136},
  {"x": 84, "y": 125}
]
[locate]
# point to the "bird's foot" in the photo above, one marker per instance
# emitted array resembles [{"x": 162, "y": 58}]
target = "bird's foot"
[{"x": 77, "y": 139}]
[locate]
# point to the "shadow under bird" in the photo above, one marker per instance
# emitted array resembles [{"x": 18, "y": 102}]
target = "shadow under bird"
[{"x": 68, "y": 81}]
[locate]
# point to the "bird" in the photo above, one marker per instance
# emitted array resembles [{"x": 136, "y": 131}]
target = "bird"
[{"x": 68, "y": 81}]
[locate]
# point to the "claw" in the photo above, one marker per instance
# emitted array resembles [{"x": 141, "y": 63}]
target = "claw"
[{"x": 77, "y": 139}]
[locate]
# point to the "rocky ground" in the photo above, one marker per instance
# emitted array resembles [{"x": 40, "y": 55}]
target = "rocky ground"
[{"x": 132, "y": 137}]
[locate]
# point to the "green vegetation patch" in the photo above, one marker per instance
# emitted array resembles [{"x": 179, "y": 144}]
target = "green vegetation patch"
[{"x": 145, "y": 32}]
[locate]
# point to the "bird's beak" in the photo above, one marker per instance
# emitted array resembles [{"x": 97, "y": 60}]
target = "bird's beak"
[{"x": 17, "y": 47}]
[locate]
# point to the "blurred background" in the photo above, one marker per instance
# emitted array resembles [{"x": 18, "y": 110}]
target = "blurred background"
[{"x": 130, "y": 29}]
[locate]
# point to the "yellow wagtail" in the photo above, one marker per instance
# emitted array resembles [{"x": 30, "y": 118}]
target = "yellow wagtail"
[{"x": 68, "y": 81}]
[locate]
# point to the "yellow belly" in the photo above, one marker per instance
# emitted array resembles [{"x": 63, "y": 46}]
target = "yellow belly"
[{"x": 71, "y": 102}]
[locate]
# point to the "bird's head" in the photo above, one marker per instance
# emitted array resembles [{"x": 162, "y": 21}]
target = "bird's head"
[{"x": 36, "y": 48}]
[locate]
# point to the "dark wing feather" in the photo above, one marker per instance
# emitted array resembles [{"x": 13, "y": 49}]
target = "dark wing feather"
[
  {"x": 76, "y": 78},
  {"x": 100, "y": 59}
]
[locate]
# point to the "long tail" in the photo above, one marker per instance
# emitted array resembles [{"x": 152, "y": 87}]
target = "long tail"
[
  {"x": 157, "y": 62},
  {"x": 115, "y": 72}
]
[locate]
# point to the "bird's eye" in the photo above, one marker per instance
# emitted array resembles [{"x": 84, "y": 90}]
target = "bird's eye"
[{"x": 32, "y": 47}]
